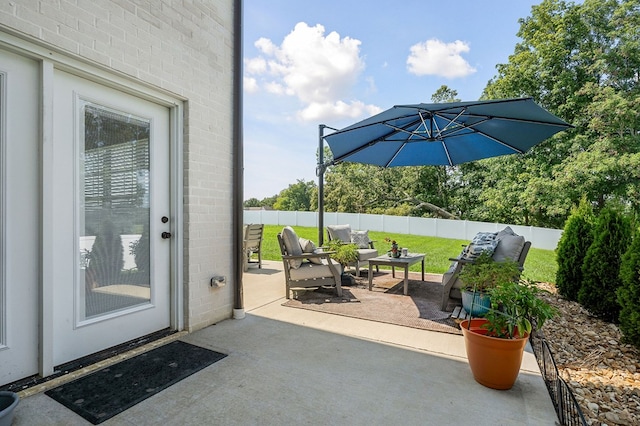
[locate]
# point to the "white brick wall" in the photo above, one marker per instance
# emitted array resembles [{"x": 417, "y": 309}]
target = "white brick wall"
[{"x": 184, "y": 47}]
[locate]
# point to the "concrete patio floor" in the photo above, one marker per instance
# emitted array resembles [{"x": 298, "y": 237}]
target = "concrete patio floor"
[{"x": 291, "y": 366}]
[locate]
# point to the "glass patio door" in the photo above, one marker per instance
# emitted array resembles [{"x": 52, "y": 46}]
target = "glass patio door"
[{"x": 111, "y": 216}]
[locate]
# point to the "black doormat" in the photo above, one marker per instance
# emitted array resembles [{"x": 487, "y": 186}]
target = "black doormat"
[{"x": 107, "y": 392}]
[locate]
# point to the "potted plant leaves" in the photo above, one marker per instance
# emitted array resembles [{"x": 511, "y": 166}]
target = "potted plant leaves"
[
  {"x": 479, "y": 277},
  {"x": 344, "y": 254},
  {"x": 495, "y": 343}
]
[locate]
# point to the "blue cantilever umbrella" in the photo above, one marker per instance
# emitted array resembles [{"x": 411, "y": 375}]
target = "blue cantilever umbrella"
[
  {"x": 445, "y": 133},
  {"x": 440, "y": 134}
]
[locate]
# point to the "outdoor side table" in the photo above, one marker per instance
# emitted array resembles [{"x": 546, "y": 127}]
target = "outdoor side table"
[{"x": 397, "y": 262}]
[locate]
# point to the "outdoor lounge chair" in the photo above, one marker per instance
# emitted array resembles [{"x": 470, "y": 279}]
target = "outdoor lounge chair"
[
  {"x": 509, "y": 246},
  {"x": 366, "y": 250},
  {"x": 252, "y": 244},
  {"x": 307, "y": 267}
]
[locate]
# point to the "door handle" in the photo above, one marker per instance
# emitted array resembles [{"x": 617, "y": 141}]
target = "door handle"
[{"x": 166, "y": 235}]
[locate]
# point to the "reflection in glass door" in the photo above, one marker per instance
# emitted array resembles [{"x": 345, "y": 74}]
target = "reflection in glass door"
[{"x": 114, "y": 211}]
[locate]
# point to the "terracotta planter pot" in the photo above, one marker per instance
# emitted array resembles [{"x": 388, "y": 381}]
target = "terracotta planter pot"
[{"x": 495, "y": 363}]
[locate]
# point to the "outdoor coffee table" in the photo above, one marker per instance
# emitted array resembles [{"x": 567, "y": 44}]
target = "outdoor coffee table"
[{"x": 397, "y": 262}]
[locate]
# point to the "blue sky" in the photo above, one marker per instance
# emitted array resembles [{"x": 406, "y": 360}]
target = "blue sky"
[{"x": 337, "y": 62}]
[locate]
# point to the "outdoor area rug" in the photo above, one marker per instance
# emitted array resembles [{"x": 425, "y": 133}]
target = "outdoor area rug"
[
  {"x": 107, "y": 392},
  {"x": 386, "y": 302}
]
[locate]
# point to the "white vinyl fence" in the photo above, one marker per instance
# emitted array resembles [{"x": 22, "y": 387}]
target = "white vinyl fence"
[{"x": 543, "y": 238}]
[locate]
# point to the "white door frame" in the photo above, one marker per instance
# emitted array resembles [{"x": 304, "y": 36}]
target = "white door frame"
[
  {"x": 19, "y": 216},
  {"x": 51, "y": 59}
]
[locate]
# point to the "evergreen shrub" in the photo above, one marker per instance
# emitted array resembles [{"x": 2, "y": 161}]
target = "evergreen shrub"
[
  {"x": 601, "y": 267},
  {"x": 629, "y": 292},
  {"x": 572, "y": 249}
]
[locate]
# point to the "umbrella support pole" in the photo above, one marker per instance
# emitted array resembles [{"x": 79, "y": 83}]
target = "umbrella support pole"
[
  {"x": 320, "y": 169},
  {"x": 320, "y": 173}
]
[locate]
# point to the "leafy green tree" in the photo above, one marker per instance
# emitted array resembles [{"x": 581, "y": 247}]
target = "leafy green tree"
[
  {"x": 251, "y": 202},
  {"x": 265, "y": 202},
  {"x": 572, "y": 249},
  {"x": 351, "y": 187},
  {"x": 445, "y": 94},
  {"x": 601, "y": 267},
  {"x": 580, "y": 61},
  {"x": 406, "y": 191},
  {"x": 269, "y": 201},
  {"x": 629, "y": 292},
  {"x": 299, "y": 196}
]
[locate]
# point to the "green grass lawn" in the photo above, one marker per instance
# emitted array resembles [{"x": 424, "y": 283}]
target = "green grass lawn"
[{"x": 539, "y": 266}]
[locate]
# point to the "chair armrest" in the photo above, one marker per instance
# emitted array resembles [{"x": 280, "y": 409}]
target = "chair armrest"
[
  {"x": 322, "y": 255},
  {"x": 461, "y": 260},
  {"x": 324, "y": 250}
]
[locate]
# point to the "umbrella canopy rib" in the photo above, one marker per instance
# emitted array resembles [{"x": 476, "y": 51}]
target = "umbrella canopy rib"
[
  {"x": 505, "y": 144},
  {"x": 394, "y": 155}
]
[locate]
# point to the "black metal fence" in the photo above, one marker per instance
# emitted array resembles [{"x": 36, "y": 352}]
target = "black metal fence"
[{"x": 567, "y": 408}]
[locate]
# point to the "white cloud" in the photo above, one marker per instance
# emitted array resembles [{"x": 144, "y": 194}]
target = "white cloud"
[
  {"x": 266, "y": 46},
  {"x": 329, "y": 111},
  {"x": 275, "y": 88},
  {"x": 255, "y": 65},
  {"x": 250, "y": 85},
  {"x": 318, "y": 69},
  {"x": 434, "y": 57}
]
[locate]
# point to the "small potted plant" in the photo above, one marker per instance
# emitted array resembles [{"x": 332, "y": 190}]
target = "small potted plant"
[
  {"x": 395, "y": 250},
  {"x": 495, "y": 343},
  {"x": 481, "y": 276},
  {"x": 344, "y": 254}
]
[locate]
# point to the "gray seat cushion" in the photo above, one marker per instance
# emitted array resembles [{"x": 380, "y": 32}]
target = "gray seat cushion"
[
  {"x": 366, "y": 254},
  {"x": 310, "y": 271}
]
